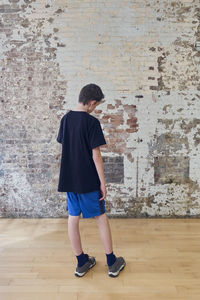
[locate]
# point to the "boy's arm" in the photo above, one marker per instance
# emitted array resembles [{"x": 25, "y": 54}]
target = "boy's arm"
[{"x": 97, "y": 158}]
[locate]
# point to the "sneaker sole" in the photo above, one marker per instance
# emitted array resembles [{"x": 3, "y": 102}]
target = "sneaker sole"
[
  {"x": 82, "y": 274},
  {"x": 115, "y": 274}
]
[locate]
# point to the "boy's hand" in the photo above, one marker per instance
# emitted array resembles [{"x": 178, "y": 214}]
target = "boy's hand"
[{"x": 103, "y": 191}]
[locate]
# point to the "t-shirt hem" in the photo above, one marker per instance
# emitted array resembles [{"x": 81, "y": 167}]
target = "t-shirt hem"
[{"x": 82, "y": 192}]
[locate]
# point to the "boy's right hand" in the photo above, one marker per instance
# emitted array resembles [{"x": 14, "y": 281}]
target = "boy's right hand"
[{"x": 103, "y": 191}]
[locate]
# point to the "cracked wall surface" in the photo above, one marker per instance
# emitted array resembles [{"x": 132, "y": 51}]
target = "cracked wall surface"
[{"x": 145, "y": 55}]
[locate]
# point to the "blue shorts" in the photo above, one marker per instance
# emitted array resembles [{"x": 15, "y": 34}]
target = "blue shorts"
[{"x": 86, "y": 203}]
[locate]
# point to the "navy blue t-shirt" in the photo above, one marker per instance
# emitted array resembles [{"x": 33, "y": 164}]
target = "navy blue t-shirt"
[{"x": 79, "y": 133}]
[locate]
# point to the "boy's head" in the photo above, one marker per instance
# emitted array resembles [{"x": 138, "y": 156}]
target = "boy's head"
[{"x": 91, "y": 94}]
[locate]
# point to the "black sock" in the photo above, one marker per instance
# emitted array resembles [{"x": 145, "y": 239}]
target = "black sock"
[
  {"x": 111, "y": 258},
  {"x": 82, "y": 258}
]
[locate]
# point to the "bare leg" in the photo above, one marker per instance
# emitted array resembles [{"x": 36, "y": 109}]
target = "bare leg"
[
  {"x": 74, "y": 234},
  {"x": 105, "y": 232}
]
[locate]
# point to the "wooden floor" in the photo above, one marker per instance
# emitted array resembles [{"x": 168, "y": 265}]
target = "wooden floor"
[{"x": 162, "y": 256}]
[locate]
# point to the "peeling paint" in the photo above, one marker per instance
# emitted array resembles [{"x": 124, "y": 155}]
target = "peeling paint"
[{"x": 145, "y": 56}]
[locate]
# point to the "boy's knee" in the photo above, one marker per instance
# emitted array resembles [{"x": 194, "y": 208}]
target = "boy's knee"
[{"x": 97, "y": 217}]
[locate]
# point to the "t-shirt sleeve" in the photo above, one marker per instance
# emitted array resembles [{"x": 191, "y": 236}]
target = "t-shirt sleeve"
[
  {"x": 60, "y": 132},
  {"x": 96, "y": 136}
]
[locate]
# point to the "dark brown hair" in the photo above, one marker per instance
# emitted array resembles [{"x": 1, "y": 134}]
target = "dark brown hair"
[{"x": 90, "y": 92}]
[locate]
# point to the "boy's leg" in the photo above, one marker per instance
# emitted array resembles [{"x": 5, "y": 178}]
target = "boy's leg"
[
  {"x": 115, "y": 264},
  {"x": 105, "y": 232},
  {"x": 74, "y": 234},
  {"x": 104, "y": 229}
]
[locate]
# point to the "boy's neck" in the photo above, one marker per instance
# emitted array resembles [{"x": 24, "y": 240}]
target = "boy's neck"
[
  {"x": 88, "y": 107},
  {"x": 81, "y": 108}
]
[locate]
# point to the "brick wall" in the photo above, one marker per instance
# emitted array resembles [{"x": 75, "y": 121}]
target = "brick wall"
[{"x": 146, "y": 57}]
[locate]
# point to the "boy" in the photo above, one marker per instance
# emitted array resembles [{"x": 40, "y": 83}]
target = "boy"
[{"x": 82, "y": 177}]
